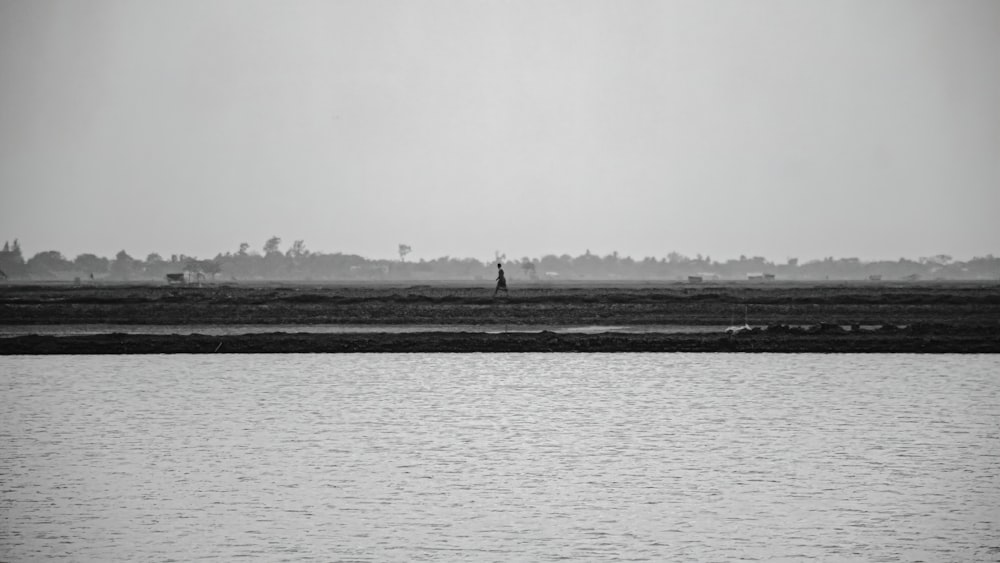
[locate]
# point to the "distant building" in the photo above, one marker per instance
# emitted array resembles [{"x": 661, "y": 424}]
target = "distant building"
[
  {"x": 695, "y": 279},
  {"x": 875, "y": 277}
]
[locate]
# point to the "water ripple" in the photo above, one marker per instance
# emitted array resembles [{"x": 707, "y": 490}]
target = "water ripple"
[{"x": 545, "y": 457}]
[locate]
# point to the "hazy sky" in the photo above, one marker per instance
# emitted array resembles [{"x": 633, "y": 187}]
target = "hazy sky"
[{"x": 775, "y": 128}]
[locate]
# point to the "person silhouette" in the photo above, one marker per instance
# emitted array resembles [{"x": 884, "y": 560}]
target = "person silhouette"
[{"x": 501, "y": 282}]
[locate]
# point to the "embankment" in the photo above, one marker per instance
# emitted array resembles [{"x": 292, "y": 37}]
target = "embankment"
[{"x": 916, "y": 339}]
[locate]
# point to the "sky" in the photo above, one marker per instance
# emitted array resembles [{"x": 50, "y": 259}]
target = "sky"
[{"x": 799, "y": 128}]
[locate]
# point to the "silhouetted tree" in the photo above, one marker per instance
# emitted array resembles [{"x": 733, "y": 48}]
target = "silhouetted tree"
[
  {"x": 210, "y": 267},
  {"x": 123, "y": 266},
  {"x": 155, "y": 267},
  {"x": 300, "y": 263},
  {"x": 271, "y": 246},
  {"x": 48, "y": 264},
  {"x": 528, "y": 267},
  {"x": 91, "y": 264},
  {"x": 298, "y": 249},
  {"x": 11, "y": 260}
]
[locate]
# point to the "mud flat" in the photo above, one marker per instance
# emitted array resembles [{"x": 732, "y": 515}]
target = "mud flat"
[
  {"x": 914, "y": 317},
  {"x": 957, "y": 303}
]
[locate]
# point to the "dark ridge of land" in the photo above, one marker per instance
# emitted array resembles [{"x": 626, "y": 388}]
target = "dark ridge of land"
[
  {"x": 936, "y": 317},
  {"x": 959, "y": 304},
  {"x": 821, "y": 339}
]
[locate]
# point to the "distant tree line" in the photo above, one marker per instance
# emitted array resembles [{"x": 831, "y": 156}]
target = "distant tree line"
[{"x": 297, "y": 263}]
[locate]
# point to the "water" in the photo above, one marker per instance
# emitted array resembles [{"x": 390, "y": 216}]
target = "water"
[
  {"x": 219, "y": 330},
  {"x": 480, "y": 457}
]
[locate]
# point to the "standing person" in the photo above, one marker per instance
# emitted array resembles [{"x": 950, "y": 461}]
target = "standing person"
[{"x": 501, "y": 282}]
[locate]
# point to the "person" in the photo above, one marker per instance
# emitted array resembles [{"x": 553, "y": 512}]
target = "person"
[{"x": 501, "y": 282}]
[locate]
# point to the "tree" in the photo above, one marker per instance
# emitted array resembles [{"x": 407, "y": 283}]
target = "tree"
[
  {"x": 201, "y": 267},
  {"x": 123, "y": 265},
  {"x": 243, "y": 249},
  {"x": 212, "y": 267},
  {"x": 271, "y": 246},
  {"x": 274, "y": 261},
  {"x": 91, "y": 263},
  {"x": 11, "y": 261},
  {"x": 942, "y": 259},
  {"x": 298, "y": 249},
  {"x": 155, "y": 267},
  {"x": 404, "y": 249},
  {"x": 529, "y": 268},
  {"x": 49, "y": 263}
]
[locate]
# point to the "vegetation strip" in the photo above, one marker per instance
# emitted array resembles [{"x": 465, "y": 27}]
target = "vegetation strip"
[{"x": 297, "y": 263}]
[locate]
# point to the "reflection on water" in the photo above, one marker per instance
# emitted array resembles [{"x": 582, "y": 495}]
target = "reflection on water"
[{"x": 500, "y": 457}]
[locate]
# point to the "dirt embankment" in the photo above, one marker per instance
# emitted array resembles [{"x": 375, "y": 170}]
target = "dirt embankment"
[
  {"x": 916, "y": 339},
  {"x": 938, "y": 318}
]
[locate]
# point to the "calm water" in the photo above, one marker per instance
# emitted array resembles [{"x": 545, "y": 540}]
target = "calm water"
[
  {"x": 525, "y": 457},
  {"x": 215, "y": 330}
]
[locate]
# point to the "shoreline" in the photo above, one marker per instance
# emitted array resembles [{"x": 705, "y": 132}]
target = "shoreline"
[
  {"x": 824, "y": 318},
  {"x": 919, "y": 340}
]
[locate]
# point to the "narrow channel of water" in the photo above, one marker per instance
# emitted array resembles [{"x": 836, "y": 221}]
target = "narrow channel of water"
[{"x": 218, "y": 330}]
